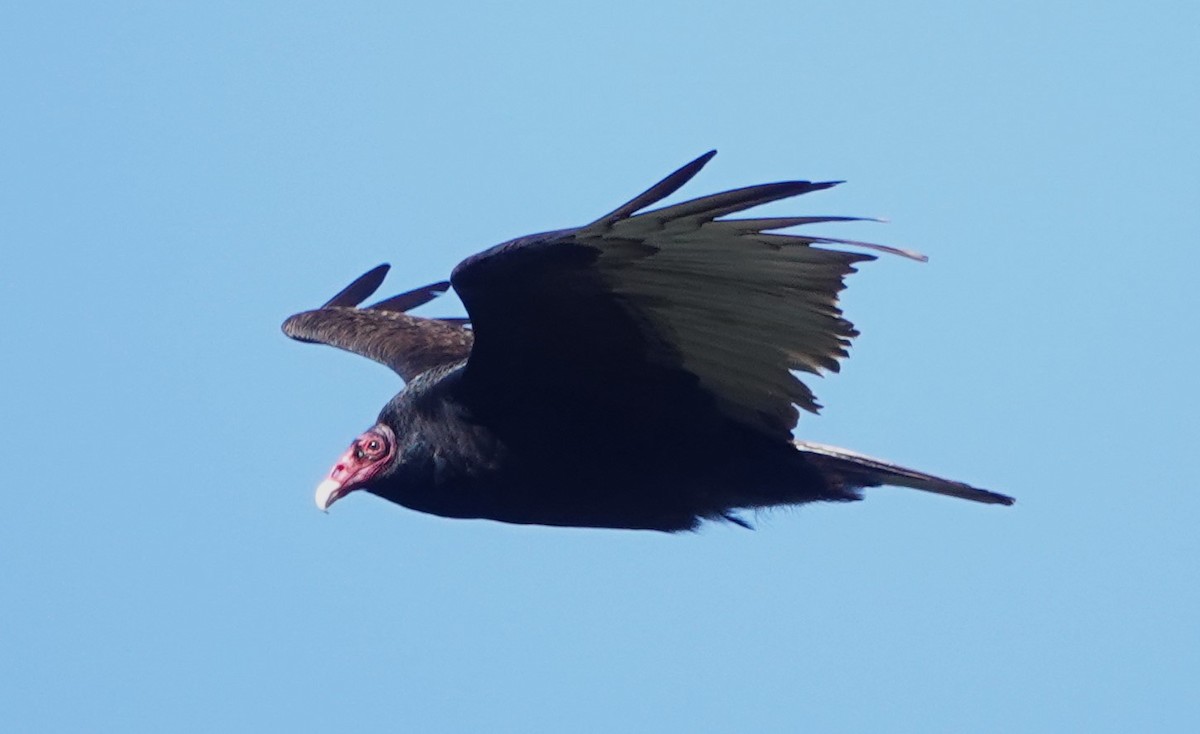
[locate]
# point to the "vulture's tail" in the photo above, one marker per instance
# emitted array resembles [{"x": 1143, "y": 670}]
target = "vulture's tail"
[{"x": 855, "y": 470}]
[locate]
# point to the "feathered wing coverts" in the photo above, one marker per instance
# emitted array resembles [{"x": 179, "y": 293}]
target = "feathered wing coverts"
[{"x": 384, "y": 331}]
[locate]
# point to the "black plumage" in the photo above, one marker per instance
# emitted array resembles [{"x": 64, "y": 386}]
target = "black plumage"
[{"x": 637, "y": 372}]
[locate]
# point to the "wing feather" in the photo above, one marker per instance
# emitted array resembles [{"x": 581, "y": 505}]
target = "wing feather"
[
  {"x": 744, "y": 308},
  {"x": 361, "y": 289},
  {"x": 383, "y": 332},
  {"x": 732, "y": 302},
  {"x": 412, "y": 299}
]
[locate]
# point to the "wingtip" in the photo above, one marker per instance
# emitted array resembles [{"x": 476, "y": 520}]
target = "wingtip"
[
  {"x": 910, "y": 254},
  {"x": 361, "y": 289},
  {"x": 688, "y": 171},
  {"x": 988, "y": 497},
  {"x": 409, "y": 300},
  {"x": 657, "y": 192},
  {"x": 292, "y": 327}
]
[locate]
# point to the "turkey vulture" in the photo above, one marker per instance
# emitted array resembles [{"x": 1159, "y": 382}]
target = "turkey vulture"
[{"x": 636, "y": 372}]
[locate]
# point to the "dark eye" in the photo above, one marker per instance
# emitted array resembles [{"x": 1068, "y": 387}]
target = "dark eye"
[{"x": 370, "y": 447}]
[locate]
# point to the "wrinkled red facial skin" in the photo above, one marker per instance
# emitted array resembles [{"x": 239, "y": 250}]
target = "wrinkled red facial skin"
[{"x": 367, "y": 455}]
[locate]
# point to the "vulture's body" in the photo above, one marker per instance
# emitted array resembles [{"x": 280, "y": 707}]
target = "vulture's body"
[{"x": 637, "y": 372}]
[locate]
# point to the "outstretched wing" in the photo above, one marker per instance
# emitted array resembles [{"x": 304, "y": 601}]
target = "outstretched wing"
[
  {"x": 383, "y": 331},
  {"x": 669, "y": 297}
]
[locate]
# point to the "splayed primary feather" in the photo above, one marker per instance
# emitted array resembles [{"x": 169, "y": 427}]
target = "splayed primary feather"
[{"x": 743, "y": 307}]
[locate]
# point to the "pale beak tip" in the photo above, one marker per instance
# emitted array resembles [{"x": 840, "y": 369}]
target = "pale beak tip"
[{"x": 327, "y": 494}]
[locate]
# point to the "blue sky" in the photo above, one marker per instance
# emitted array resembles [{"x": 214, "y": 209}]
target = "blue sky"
[{"x": 177, "y": 179}]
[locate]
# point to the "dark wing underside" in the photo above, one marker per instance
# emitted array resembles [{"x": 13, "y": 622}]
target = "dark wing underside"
[
  {"x": 658, "y": 320},
  {"x": 383, "y": 331}
]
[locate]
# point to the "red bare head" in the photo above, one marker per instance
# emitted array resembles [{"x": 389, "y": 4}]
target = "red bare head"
[{"x": 366, "y": 457}]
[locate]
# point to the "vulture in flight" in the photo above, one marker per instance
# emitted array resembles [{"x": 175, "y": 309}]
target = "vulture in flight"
[{"x": 635, "y": 372}]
